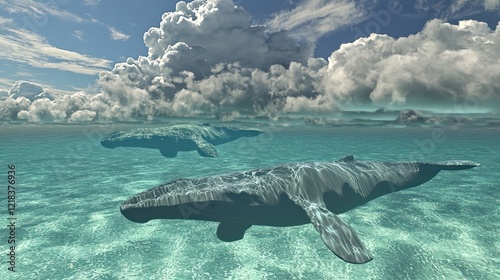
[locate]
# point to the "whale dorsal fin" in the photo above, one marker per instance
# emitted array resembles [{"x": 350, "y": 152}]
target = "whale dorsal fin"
[
  {"x": 346, "y": 158},
  {"x": 337, "y": 235},
  {"x": 205, "y": 149}
]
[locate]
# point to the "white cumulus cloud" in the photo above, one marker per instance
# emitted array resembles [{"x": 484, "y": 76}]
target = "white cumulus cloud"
[
  {"x": 82, "y": 116},
  {"x": 443, "y": 65},
  {"x": 29, "y": 90},
  {"x": 200, "y": 46},
  {"x": 206, "y": 58}
]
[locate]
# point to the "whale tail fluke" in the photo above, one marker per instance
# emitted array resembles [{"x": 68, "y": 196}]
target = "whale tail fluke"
[
  {"x": 452, "y": 165},
  {"x": 428, "y": 170}
]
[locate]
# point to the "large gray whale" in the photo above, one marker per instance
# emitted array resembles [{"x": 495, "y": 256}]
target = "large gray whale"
[
  {"x": 286, "y": 195},
  {"x": 170, "y": 140}
]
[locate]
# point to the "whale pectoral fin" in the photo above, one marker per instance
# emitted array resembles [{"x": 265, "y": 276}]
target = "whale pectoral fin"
[
  {"x": 168, "y": 152},
  {"x": 229, "y": 232},
  {"x": 205, "y": 149},
  {"x": 337, "y": 235}
]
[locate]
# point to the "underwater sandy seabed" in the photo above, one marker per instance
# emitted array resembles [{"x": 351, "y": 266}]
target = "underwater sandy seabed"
[{"x": 69, "y": 190}]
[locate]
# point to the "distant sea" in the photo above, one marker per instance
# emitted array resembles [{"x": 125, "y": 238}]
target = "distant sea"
[{"x": 69, "y": 190}]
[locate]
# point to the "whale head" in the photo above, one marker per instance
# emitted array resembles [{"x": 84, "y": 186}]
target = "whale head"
[
  {"x": 179, "y": 199},
  {"x": 232, "y": 198},
  {"x": 109, "y": 144},
  {"x": 112, "y": 141}
]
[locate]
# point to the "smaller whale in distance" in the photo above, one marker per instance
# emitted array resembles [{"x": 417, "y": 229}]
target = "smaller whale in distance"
[
  {"x": 170, "y": 140},
  {"x": 286, "y": 195}
]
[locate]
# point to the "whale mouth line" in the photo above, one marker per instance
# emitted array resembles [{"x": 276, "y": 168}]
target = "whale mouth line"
[{"x": 210, "y": 210}]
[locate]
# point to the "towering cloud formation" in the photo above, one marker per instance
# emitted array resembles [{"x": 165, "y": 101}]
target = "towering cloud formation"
[
  {"x": 443, "y": 65},
  {"x": 207, "y": 58}
]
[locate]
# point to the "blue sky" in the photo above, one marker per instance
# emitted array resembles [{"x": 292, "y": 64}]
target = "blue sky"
[
  {"x": 110, "y": 31},
  {"x": 63, "y": 45}
]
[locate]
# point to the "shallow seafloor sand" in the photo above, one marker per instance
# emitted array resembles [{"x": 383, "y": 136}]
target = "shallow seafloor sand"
[{"x": 69, "y": 190}]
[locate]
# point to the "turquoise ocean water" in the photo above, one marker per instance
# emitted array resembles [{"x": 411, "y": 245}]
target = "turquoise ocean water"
[{"x": 70, "y": 188}]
